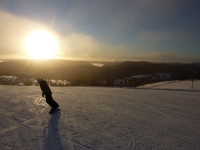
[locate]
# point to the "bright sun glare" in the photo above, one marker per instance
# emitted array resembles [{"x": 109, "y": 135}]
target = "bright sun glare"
[{"x": 41, "y": 45}]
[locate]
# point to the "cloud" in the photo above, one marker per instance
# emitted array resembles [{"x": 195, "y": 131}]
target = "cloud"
[
  {"x": 14, "y": 30},
  {"x": 110, "y": 16},
  {"x": 159, "y": 57},
  {"x": 161, "y": 7},
  {"x": 171, "y": 57},
  {"x": 118, "y": 21},
  {"x": 82, "y": 45},
  {"x": 178, "y": 41},
  {"x": 149, "y": 45},
  {"x": 76, "y": 44}
]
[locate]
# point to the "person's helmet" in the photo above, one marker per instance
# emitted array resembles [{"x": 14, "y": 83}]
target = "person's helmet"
[{"x": 39, "y": 80}]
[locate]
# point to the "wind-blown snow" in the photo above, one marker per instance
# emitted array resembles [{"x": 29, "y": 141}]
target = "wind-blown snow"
[{"x": 99, "y": 118}]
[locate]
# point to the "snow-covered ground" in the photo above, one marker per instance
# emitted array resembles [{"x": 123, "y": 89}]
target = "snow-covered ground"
[
  {"x": 12, "y": 78},
  {"x": 175, "y": 85},
  {"x": 99, "y": 119}
]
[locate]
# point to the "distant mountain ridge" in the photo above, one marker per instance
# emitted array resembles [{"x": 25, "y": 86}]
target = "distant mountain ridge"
[
  {"x": 84, "y": 72},
  {"x": 29, "y": 66},
  {"x": 127, "y": 63}
]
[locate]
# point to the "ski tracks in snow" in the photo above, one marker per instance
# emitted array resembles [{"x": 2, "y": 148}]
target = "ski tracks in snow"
[
  {"x": 20, "y": 135},
  {"x": 105, "y": 123},
  {"x": 99, "y": 118},
  {"x": 23, "y": 122},
  {"x": 41, "y": 102}
]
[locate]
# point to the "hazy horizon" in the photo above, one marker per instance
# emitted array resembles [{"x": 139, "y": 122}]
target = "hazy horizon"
[{"x": 98, "y": 61}]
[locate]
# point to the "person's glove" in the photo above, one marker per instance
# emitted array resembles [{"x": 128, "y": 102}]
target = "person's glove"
[{"x": 42, "y": 94}]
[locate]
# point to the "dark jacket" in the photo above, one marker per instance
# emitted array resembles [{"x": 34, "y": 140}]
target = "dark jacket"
[{"x": 45, "y": 88}]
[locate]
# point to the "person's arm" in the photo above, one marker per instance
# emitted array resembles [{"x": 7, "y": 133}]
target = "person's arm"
[{"x": 41, "y": 87}]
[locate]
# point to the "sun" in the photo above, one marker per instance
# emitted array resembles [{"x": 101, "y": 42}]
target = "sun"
[{"x": 41, "y": 44}]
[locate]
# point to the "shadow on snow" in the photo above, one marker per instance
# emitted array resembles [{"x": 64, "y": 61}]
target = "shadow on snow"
[{"x": 52, "y": 138}]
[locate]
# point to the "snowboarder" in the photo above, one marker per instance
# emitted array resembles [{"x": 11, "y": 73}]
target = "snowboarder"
[{"x": 48, "y": 94}]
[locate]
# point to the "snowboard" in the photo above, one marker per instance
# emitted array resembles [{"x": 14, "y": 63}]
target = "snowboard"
[{"x": 53, "y": 111}]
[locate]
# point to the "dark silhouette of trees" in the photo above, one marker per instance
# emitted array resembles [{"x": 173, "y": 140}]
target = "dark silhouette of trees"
[{"x": 84, "y": 74}]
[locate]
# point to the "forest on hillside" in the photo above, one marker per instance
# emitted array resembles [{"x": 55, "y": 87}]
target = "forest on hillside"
[{"x": 80, "y": 72}]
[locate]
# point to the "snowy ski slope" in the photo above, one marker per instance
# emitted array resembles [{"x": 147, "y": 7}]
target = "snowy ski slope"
[
  {"x": 99, "y": 119},
  {"x": 174, "y": 85}
]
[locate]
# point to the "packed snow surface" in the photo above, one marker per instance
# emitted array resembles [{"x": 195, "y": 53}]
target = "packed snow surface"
[
  {"x": 99, "y": 119},
  {"x": 186, "y": 85}
]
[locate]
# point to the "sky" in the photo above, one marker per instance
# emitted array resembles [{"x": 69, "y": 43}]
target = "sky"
[{"x": 103, "y": 30}]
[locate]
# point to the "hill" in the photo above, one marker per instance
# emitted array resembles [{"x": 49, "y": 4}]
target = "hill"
[
  {"x": 36, "y": 66},
  {"x": 83, "y": 72},
  {"x": 175, "y": 85}
]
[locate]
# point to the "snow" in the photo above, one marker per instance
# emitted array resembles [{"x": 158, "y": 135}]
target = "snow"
[
  {"x": 140, "y": 76},
  {"x": 53, "y": 81},
  {"x": 97, "y": 64},
  {"x": 100, "y": 119},
  {"x": 13, "y": 78},
  {"x": 154, "y": 76},
  {"x": 186, "y": 85},
  {"x": 61, "y": 82}
]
